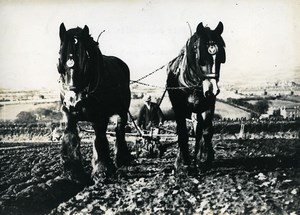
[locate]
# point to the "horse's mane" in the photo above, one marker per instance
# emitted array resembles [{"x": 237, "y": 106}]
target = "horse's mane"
[{"x": 190, "y": 51}]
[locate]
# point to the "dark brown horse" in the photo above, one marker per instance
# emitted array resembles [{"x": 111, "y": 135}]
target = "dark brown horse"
[
  {"x": 192, "y": 85},
  {"x": 93, "y": 88}
]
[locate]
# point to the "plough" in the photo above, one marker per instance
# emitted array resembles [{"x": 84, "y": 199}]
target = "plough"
[
  {"x": 148, "y": 142},
  {"x": 152, "y": 143}
]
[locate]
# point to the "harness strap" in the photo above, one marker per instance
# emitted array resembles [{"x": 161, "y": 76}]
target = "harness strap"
[{"x": 88, "y": 88}]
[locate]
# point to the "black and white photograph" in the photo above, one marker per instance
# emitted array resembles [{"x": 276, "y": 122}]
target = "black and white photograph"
[{"x": 150, "y": 107}]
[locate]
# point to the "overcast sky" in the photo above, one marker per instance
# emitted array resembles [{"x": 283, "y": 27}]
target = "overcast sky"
[{"x": 262, "y": 37}]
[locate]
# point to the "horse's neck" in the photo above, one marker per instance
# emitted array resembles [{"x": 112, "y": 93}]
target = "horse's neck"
[{"x": 97, "y": 69}]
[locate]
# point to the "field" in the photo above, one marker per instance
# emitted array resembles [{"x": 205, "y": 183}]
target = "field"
[{"x": 249, "y": 176}]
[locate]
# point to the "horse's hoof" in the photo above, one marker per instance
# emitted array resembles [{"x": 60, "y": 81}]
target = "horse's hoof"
[
  {"x": 75, "y": 172},
  {"x": 181, "y": 170},
  {"x": 162, "y": 149},
  {"x": 182, "y": 161},
  {"x": 186, "y": 159},
  {"x": 103, "y": 171},
  {"x": 207, "y": 164},
  {"x": 124, "y": 159},
  {"x": 210, "y": 156}
]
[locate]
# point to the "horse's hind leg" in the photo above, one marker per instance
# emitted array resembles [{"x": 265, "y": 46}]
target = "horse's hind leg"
[
  {"x": 123, "y": 156},
  {"x": 101, "y": 161}
]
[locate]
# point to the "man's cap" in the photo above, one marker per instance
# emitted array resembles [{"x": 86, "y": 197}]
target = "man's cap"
[{"x": 148, "y": 98}]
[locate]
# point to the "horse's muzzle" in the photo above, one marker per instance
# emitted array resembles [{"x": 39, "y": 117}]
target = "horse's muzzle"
[
  {"x": 210, "y": 87},
  {"x": 71, "y": 99}
]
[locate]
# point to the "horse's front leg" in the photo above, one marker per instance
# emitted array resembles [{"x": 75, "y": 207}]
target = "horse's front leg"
[
  {"x": 123, "y": 156},
  {"x": 101, "y": 162},
  {"x": 199, "y": 133},
  {"x": 208, "y": 131},
  {"x": 183, "y": 137},
  {"x": 70, "y": 151}
]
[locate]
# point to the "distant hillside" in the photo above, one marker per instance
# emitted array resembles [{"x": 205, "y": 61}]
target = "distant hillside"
[
  {"x": 228, "y": 111},
  {"x": 222, "y": 109}
]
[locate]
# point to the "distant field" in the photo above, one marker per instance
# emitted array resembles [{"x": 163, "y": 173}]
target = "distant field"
[
  {"x": 278, "y": 102},
  {"x": 285, "y": 103},
  {"x": 228, "y": 111},
  {"x": 9, "y": 112},
  {"x": 222, "y": 109}
]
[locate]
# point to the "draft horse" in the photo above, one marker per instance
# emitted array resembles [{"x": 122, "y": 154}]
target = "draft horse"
[
  {"x": 192, "y": 85},
  {"x": 93, "y": 88}
]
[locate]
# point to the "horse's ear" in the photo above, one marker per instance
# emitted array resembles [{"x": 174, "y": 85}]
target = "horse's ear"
[
  {"x": 219, "y": 28},
  {"x": 86, "y": 31},
  {"x": 62, "y": 31},
  {"x": 200, "y": 29}
]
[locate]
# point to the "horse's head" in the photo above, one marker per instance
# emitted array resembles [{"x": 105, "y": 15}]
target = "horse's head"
[
  {"x": 205, "y": 54},
  {"x": 77, "y": 50}
]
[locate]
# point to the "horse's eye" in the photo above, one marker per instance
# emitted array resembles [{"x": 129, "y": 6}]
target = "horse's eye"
[{"x": 75, "y": 40}]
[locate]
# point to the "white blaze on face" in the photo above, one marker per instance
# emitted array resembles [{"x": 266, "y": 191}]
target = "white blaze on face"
[
  {"x": 71, "y": 82},
  {"x": 70, "y": 63},
  {"x": 210, "y": 86}
]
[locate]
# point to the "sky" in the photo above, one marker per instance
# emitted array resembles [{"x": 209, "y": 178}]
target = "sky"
[{"x": 261, "y": 36}]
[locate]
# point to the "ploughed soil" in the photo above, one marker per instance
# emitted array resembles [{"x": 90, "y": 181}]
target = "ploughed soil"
[{"x": 259, "y": 176}]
